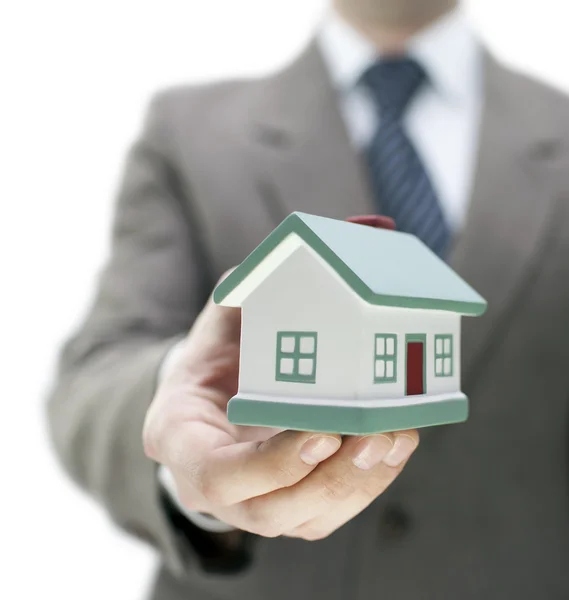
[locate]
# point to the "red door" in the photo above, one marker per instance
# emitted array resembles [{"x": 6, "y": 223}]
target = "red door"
[{"x": 415, "y": 368}]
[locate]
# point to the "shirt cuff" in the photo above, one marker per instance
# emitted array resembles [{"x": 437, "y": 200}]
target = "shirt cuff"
[{"x": 201, "y": 520}]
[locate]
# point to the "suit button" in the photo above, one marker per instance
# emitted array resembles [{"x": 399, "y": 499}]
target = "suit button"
[{"x": 394, "y": 522}]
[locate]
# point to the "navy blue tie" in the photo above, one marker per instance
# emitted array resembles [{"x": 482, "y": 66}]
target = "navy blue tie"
[{"x": 399, "y": 180}]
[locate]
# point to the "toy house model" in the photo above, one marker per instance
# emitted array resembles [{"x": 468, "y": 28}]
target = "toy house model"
[{"x": 347, "y": 329}]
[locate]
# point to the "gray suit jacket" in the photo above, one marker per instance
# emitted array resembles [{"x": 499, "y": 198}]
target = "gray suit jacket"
[{"x": 482, "y": 510}]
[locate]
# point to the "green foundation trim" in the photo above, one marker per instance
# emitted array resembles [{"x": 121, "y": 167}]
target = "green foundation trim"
[{"x": 347, "y": 420}]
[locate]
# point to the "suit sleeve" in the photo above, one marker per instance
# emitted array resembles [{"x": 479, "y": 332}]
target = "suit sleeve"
[{"x": 155, "y": 282}]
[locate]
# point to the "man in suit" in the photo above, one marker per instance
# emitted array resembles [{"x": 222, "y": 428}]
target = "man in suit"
[{"x": 395, "y": 107}]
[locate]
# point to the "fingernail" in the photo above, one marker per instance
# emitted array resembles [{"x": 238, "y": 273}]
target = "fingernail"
[
  {"x": 317, "y": 449},
  {"x": 371, "y": 450},
  {"x": 401, "y": 451}
]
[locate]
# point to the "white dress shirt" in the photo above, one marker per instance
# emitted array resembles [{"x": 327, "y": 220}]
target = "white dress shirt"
[{"x": 442, "y": 122}]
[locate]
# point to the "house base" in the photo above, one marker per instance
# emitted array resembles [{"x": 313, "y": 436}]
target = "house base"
[{"x": 357, "y": 417}]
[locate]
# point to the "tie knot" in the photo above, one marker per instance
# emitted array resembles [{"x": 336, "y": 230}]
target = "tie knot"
[{"x": 393, "y": 83}]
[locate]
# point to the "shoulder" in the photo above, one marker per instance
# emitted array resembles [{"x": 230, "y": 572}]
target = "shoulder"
[
  {"x": 539, "y": 103},
  {"x": 206, "y": 97},
  {"x": 206, "y": 108}
]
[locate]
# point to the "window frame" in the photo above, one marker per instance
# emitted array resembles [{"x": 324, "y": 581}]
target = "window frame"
[
  {"x": 296, "y": 355},
  {"x": 391, "y": 358},
  {"x": 444, "y": 355}
]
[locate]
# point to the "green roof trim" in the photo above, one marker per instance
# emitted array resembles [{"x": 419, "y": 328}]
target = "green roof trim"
[{"x": 383, "y": 267}]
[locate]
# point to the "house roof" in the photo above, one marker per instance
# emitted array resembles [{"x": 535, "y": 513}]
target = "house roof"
[{"x": 384, "y": 268}]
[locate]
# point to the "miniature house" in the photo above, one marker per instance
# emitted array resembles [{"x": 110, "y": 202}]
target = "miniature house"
[{"x": 348, "y": 329}]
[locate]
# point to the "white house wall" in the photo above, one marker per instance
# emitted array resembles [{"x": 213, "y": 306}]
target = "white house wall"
[
  {"x": 302, "y": 294},
  {"x": 402, "y": 321}
]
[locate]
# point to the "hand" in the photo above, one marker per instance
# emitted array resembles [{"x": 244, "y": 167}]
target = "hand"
[{"x": 260, "y": 480}]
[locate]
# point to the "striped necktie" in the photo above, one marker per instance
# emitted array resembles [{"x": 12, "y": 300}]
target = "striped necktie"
[{"x": 399, "y": 180}]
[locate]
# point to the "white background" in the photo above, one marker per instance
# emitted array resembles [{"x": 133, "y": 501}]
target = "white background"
[{"x": 75, "y": 77}]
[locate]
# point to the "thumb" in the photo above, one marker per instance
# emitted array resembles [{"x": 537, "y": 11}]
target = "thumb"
[{"x": 218, "y": 324}]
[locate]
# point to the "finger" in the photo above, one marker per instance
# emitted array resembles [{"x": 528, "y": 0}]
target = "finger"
[
  {"x": 405, "y": 444},
  {"x": 238, "y": 472},
  {"x": 348, "y": 476},
  {"x": 376, "y": 480},
  {"x": 219, "y": 323}
]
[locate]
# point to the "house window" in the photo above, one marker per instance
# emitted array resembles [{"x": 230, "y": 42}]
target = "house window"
[
  {"x": 385, "y": 361},
  {"x": 443, "y": 356},
  {"x": 296, "y": 356}
]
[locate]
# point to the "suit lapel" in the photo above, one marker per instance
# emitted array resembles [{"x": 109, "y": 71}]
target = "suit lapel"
[
  {"x": 510, "y": 211},
  {"x": 304, "y": 157}
]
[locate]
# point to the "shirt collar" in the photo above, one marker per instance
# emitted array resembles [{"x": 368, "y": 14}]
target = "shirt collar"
[{"x": 448, "y": 50}]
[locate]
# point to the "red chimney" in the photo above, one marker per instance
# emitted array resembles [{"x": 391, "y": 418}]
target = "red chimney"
[{"x": 377, "y": 221}]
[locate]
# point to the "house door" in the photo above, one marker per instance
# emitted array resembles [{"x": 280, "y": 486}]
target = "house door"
[{"x": 415, "y": 365}]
